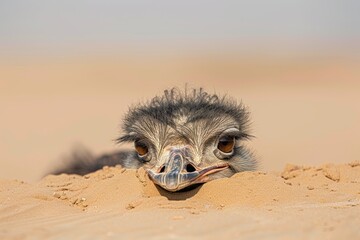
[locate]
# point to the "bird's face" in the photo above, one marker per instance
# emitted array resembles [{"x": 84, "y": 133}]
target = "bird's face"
[
  {"x": 187, "y": 138},
  {"x": 189, "y": 153}
]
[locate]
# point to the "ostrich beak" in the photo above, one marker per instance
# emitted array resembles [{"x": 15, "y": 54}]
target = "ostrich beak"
[{"x": 178, "y": 172}]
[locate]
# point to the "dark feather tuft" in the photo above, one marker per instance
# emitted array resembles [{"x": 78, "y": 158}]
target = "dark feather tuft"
[{"x": 195, "y": 104}]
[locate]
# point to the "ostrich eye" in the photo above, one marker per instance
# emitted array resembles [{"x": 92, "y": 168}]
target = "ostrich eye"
[
  {"x": 141, "y": 148},
  {"x": 226, "y": 144}
]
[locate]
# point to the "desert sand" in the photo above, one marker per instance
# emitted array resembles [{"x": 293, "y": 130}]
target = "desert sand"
[
  {"x": 305, "y": 111},
  {"x": 114, "y": 203}
]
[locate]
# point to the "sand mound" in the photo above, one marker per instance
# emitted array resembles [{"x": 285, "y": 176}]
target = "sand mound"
[{"x": 312, "y": 202}]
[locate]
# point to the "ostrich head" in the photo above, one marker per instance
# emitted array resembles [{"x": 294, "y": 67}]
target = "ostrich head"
[{"x": 187, "y": 138}]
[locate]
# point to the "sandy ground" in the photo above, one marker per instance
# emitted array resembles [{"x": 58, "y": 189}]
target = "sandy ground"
[
  {"x": 305, "y": 111},
  {"x": 114, "y": 203}
]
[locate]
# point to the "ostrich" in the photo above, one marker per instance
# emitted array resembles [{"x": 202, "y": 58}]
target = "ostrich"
[{"x": 182, "y": 139}]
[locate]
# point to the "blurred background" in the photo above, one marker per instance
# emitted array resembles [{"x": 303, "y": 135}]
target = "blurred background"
[{"x": 69, "y": 70}]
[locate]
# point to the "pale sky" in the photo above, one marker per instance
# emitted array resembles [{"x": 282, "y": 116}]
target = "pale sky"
[{"x": 48, "y": 25}]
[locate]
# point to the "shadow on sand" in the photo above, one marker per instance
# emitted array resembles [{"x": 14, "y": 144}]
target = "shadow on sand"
[{"x": 181, "y": 195}]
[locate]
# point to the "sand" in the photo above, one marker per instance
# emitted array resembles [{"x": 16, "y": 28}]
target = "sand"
[
  {"x": 305, "y": 110},
  {"x": 300, "y": 202}
]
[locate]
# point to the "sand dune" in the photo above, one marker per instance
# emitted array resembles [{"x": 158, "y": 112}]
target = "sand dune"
[
  {"x": 304, "y": 111},
  {"x": 300, "y": 202}
]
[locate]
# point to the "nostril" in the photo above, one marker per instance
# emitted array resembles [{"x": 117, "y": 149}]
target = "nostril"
[
  {"x": 162, "y": 169},
  {"x": 190, "y": 168}
]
